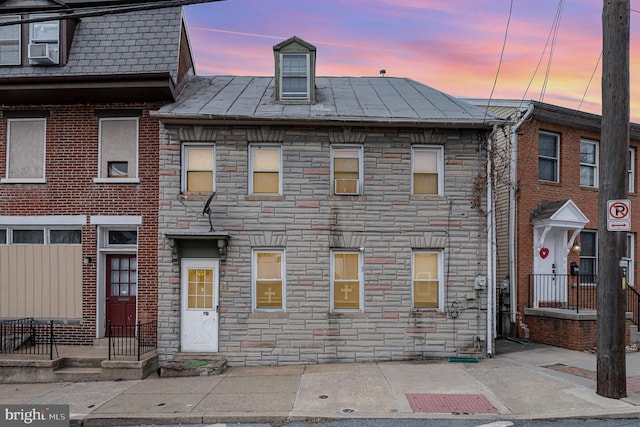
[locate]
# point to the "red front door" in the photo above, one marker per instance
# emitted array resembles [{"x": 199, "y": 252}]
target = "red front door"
[{"x": 122, "y": 288}]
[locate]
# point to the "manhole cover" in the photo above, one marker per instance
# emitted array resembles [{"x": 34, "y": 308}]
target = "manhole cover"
[
  {"x": 348, "y": 410},
  {"x": 451, "y": 403}
]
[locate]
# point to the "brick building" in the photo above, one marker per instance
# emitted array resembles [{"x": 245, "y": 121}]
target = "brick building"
[
  {"x": 547, "y": 165},
  {"x": 79, "y": 160},
  {"x": 310, "y": 219}
]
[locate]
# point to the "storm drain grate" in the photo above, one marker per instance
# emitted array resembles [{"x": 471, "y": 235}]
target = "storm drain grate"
[{"x": 451, "y": 403}]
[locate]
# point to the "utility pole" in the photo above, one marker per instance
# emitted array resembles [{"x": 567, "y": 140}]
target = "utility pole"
[{"x": 614, "y": 149}]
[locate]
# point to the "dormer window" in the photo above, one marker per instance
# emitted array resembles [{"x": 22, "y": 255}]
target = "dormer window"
[
  {"x": 295, "y": 62},
  {"x": 295, "y": 76},
  {"x": 10, "y": 41},
  {"x": 44, "y": 41}
]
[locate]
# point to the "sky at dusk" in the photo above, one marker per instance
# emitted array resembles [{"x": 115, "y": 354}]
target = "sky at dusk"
[{"x": 454, "y": 46}]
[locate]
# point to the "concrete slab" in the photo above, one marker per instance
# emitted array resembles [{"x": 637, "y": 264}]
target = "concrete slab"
[
  {"x": 243, "y": 371},
  {"x": 273, "y": 404},
  {"x": 359, "y": 390},
  {"x": 258, "y": 384},
  {"x": 175, "y": 385},
  {"x": 151, "y": 403},
  {"x": 28, "y": 390}
]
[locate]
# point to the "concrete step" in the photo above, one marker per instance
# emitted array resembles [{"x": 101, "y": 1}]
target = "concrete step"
[
  {"x": 82, "y": 362},
  {"x": 78, "y": 374},
  {"x": 194, "y": 365},
  {"x": 197, "y": 356}
]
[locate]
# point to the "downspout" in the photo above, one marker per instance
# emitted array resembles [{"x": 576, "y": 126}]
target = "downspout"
[
  {"x": 491, "y": 247},
  {"x": 491, "y": 263},
  {"x": 513, "y": 176}
]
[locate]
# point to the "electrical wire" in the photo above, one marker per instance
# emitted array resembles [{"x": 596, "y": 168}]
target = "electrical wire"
[
  {"x": 106, "y": 10},
  {"x": 555, "y": 29},
  {"x": 504, "y": 43}
]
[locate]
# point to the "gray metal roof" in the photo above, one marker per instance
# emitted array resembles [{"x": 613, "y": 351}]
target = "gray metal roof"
[
  {"x": 346, "y": 99},
  {"x": 125, "y": 43}
]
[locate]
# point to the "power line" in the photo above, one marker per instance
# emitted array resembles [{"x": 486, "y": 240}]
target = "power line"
[
  {"x": 108, "y": 10},
  {"x": 504, "y": 43}
]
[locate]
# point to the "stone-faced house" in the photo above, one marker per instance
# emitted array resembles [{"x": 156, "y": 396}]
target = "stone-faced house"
[
  {"x": 309, "y": 219},
  {"x": 547, "y": 171},
  {"x": 79, "y": 160}
]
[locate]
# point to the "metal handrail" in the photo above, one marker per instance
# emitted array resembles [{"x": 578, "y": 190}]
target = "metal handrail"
[
  {"x": 131, "y": 340},
  {"x": 563, "y": 291},
  {"x": 27, "y": 336}
]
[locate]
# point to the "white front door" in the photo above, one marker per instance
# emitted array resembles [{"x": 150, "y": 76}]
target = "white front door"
[
  {"x": 199, "y": 305},
  {"x": 550, "y": 270}
]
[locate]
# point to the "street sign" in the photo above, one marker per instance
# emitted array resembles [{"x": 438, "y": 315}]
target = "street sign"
[{"x": 619, "y": 215}]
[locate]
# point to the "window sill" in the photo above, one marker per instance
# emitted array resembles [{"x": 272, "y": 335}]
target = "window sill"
[
  {"x": 23, "y": 181},
  {"x": 355, "y": 197},
  {"x": 116, "y": 180},
  {"x": 427, "y": 313},
  {"x": 348, "y": 315},
  {"x": 268, "y": 315},
  {"x": 426, "y": 198},
  {"x": 195, "y": 195},
  {"x": 256, "y": 198}
]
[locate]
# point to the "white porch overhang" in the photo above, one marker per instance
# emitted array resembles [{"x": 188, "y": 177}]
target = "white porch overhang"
[{"x": 558, "y": 215}]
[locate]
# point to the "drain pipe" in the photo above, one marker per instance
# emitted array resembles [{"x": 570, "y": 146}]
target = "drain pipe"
[
  {"x": 513, "y": 176},
  {"x": 490, "y": 286}
]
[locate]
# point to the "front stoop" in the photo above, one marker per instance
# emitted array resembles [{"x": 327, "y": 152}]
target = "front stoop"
[
  {"x": 76, "y": 369},
  {"x": 194, "y": 365}
]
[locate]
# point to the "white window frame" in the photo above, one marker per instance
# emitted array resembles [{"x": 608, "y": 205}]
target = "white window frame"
[
  {"x": 360, "y": 183},
  {"x": 135, "y": 160},
  {"x": 440, "y": 254},
  {"x": 631, "y": 170},
  {"x": 440, "y": 167},
  {"x": 556, "y": 159},
  {"x": 46, "y": 234},
  {"x": 47, "y": 41},
  {"x": 254, "y": 278},
  {"x": 30, "y": 180},
  {"x": 185, "y": 163},
  {"x": 629, "y": 258},
  {"x": 360, "y": 309},
  {"x": 12, "y": 41},
  {"x": 592, "y": 167},
  {"x": 593, "y": 257},
  {"x": 295, "y": 96},
  {"x": 252, "y": 149}
]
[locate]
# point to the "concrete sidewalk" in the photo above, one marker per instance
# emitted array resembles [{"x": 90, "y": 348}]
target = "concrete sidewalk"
[{"x": 523, "y": 381}]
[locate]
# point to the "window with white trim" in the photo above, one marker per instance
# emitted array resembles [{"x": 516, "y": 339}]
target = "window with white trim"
[
  {"x": 269, "y": 284},
  {"x": 198, "y": 168},
  {"x": 426, "y": 170},
  {"x": 347, "y": 169},
  {"x": 10, "y": 41},
  {"x": 294, "y": 75},
  {"x": 589, "y": 255},
  {"x": 588, "y": 163},
  {"x": 265, "y": 169},
  {"x": 548, "y": 157},
  {"x": 631, "y": 170},
  {"x": 428, "y": 281},
  {"x": 54, "y": 235},
  {"x": 347, "y": 292},
  {"x": 118, "y": 150},
  {"x": 629, "y": 258},
  {"x": 26, "y": 141},
  {"x": 44, "y": 41}
]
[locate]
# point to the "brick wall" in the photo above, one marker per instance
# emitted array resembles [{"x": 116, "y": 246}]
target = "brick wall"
[
  {"x": 71, "y": 165},
  {"x": 307, "y": 222},
  {"x": 532, "y": 192}
]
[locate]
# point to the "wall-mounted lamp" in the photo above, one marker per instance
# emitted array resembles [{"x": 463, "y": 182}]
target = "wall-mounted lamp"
[
  {"x": 222, "y": 249},
  {"x": 576, "y": 247},
  {"x": 86, "y": 260}
]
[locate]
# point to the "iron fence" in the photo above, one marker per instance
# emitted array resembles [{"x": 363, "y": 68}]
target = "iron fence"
[
  {"x": 563, "y": 291},
  {"x": 131, "y": 340},
  {"x": 27, "y": 336}
]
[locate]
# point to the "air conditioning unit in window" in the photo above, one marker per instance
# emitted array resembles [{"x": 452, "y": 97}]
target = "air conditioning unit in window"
[
  {"x": 346, "y": 186},
  {"x": 42, "y": 53}
]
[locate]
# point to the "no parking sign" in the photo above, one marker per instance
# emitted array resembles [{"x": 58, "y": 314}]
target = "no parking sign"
[{"x": 619, "y": 215}]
